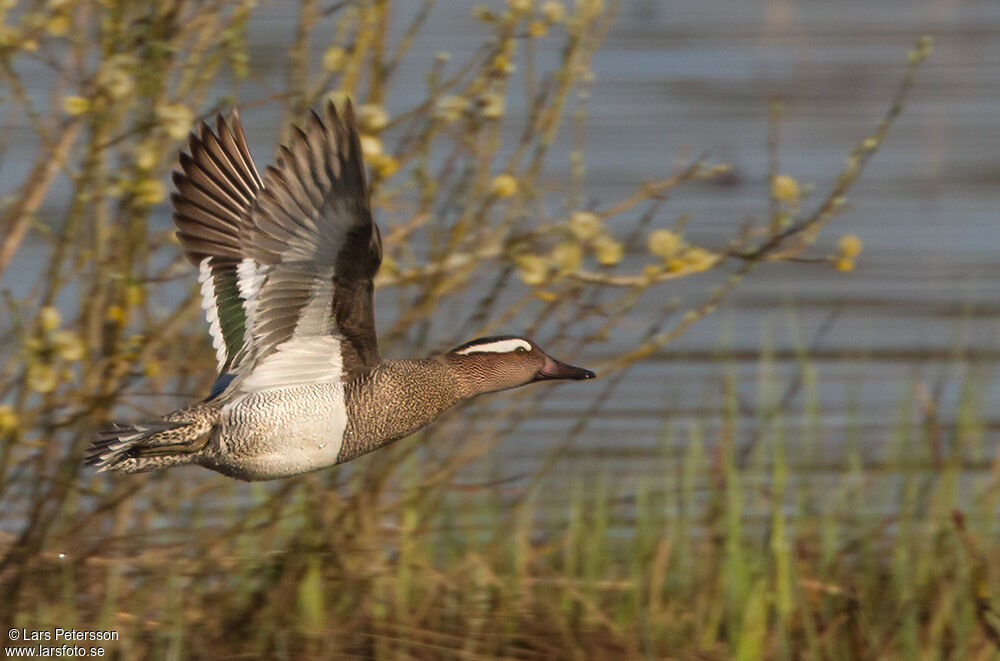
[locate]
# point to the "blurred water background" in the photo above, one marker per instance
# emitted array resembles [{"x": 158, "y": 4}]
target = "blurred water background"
[{"x": 676, "y": 76}]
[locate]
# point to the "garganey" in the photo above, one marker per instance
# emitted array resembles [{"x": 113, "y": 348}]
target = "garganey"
[{"x": 286, "y": 263}]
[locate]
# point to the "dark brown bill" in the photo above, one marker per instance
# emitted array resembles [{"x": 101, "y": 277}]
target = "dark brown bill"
[{"x": 554, "y": 369}]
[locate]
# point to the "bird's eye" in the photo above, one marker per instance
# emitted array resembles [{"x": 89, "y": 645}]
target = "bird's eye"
[{"x": 520, "y": 350}]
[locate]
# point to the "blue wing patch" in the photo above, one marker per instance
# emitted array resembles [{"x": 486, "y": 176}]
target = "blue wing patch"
[{"x": 220, "y": 385}]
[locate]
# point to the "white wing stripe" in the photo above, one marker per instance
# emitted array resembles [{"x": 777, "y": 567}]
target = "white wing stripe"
[
  {"x": 249, "y": 277},
  {"x": 210, "y": 305}
]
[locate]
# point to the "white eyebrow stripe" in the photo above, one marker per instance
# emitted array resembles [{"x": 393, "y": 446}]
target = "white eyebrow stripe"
[{"x": 500, "y": 346}]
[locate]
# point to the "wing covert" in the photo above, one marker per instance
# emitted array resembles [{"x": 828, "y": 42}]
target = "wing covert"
[{"x": 311, "y": 234}]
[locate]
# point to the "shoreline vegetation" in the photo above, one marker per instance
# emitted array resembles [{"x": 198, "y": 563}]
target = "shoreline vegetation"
[{"x": 724, "y": 554}]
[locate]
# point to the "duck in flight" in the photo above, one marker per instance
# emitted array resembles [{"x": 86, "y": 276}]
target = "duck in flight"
[{"x": 286, "y": 263}]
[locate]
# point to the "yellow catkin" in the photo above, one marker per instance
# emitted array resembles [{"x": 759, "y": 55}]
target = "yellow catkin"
[
  {"x": 334, "y": 58},
  {"x": 371, "y": 145},
  {"x": 699, "y": 259},
  {"x": 8, "y": 418},
  {"x": 567, "y": 256},
  {"x": 663, "y": 243},
  {"x": 135, "y": 294},
  {"x": 553, "y": 11},
  {"x": 585, "y": 225},
  {"x": 146, "y": 155},
  {"x": 42, "y": 378},
  {"x": 49, "y": 318},
  {"x": 651, "y": 271},
  {"x": 492, "y": 106},
  {"x": 450, "y": 108},
  {"x": 75, "y": 105},
  {"x": 68, "y": 345},
  {"x": 115, "y": 314},
  {"x": 58, "y": 25},
  {"x": 176, "y": 119},
  {"x": 503, "y": 185},
  {"x": 785, "y": 188},
  {"x": 850, "y": 245},
  {"x": 608, "y": 250},
  {"x": 384, "y": 165},
  {"x": 150, "y": 192},
  {"x": 372, "y": 117},
  {"x": 532, "y": 269}
]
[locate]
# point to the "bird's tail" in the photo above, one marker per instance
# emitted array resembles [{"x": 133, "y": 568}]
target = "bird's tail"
[{"x": 171, "y": 441}]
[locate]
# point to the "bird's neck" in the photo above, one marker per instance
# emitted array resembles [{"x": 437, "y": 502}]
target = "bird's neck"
[{"x": 395, "y": 399}]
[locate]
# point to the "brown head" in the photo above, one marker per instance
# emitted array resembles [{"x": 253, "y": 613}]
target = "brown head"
[{"x": 506, "y": 361}]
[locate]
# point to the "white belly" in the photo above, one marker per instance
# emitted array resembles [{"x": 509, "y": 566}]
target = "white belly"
[{"x": 281, "y": 432}]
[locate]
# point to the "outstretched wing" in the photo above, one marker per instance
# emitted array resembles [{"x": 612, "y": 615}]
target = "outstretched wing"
[
  {"x": 314, "y": 251},
  {"x": 216, "y": 189}
]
